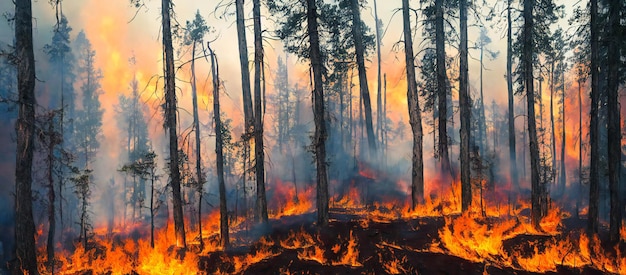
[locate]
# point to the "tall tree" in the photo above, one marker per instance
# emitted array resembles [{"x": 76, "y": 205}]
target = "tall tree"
[
  {"x": 25, "y": 248},
  {"x": 594, "y": 184},
  {"x": 465, "y": 105},
  {"x": 415, "y": 116},
  {"x": 357, "y": 33},
  {"x": 170, "y": 122},
  {"x": 615, "y": 30},
  {"x": 196, "y": 30},
  {"x": 319, "y": 138},
  {"x": 528, "y": 51},
  {"x": 219, "y": 149},
  {"x": 379, "y": 103},
  {"x": 442, "y": 88},
  {"x": 261, "y": 199},
  {"x": 511, "y": 98}
]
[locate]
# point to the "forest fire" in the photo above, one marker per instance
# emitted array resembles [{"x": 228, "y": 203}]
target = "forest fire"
[{"x": 142, "y": 146}]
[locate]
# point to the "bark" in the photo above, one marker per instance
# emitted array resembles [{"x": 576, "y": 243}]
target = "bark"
[
  {"x": 357, "y": 33},
  {"x": 511, "y": 99},
  {"x": 25, "y": 128},
  {"x": 243, "y": 64},
  {"x": 594, "y": 184},
  {"x": 442, "y": 88},
  {"x": 51, "y": 195},
  {"x": 482, "y": 120},
  {"x": 552, "y": 128},
  {"x": 580, "y": 145},
  {"x": 170, "y": 120},
  {"x": 538, "y": 202},
  {"x": 614, "y": 131},
  {"x": 379, "y": 103},
  {"x": 562, "y": 171},
  {"x": 196, "y": 126},
  {"x": 219, "y": 150},
  {"x": 319, "y": 138},
  {"x": 465, "y": 103},
  {"x": 261, "y": 200},
  {"x": 415, "y": 116}
]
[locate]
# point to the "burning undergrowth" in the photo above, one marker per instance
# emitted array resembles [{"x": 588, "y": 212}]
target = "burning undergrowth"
[{"x": 372, "y": 230}]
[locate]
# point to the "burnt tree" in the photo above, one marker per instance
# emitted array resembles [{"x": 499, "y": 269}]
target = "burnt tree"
[
  {"x": 415, "y": 116},
  {"x": 25, "y": 249},
  {"x": 465, "y": 105}
]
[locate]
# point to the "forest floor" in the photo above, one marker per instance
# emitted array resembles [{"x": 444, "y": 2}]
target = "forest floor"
[{"x": 352, "y": 244}]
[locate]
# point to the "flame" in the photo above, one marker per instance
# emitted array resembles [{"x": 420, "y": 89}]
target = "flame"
[{"x": 351, "y": 256}]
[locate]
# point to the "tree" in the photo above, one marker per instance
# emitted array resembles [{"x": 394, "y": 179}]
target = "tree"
[
  {"x": 614, "y": 127},
  {"x": 261, "y": 199},
  {"x": 195, "y": 34},
  {"x": 442, "y": 87},
  {"x": 219, "y": 149},
  {"x": 465, "y": 105},
  {"x": 379, "y": 101},
  {"x": 594, "y": 184},
  {"x": 511, "y": 99},
  {"x": 170, "y": 123},
  {"x": 357, "y": 34},
  {"x": 319, "y": 138},
  {"x": 89, "y": 120},
  {"x": 415, "y": 117},
  {"x": 26, "y": 251}
]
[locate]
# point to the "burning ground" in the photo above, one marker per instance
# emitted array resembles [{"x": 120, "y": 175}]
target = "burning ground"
[{"x": 370, "y": 232}]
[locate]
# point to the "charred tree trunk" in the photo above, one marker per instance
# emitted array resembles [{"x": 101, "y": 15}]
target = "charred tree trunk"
[
  {"x": 26, "y": 251},
  {"x": 243, "y": 64},
  {"x": 415, "y": 116},
  {"x": 196, "y": 126},
  {"x": 562, "y": 171},
  {"x": 580, "y": 144},
  {"x": 52, "y": 141},
  {"x": 219, "y": 150},
  {"x": 594, "y": 184},
  {"x": 482, "y": 119},
  {"x": 379, "y": 103},
  {"x": 319, "y": 138},
  {"x": 465, "y": 105},
  {"x": 170, "y": 120},
  {"x": 442, "y": 89},
  {"x": 538, "y": 201},
  {"x": 357, "y": 33},
  {"x": 614, "y": 127},
  {"x": 552, "y": 128},
  {"x": 511, "y": 99},
  {"x": 261, "y": 200}
]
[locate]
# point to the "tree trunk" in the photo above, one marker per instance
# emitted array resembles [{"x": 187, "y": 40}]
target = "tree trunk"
[
  {"x": 379, "y": 103},
  {"x": 511, "y": 98},
  {"x": 243, "y": 64},
  {"x": 552, "y": 128},
  {"x": 614, "y": 127},
  {"x": 219, "y": 150},
  {"x": 415, "y": 116},
  {"x": 319, "y": 139},
  {"x": 51, "y": 195},
  {"x": 580, "y": 145},
  {"x": 594, "y": 184},
  {"x": 537, "y": 193},
  {"x": 357, "y": 34},
  {"x": 261, "y": 200},
  {"x": 26, "y": 251},
  {"x": 196, "y": 126},
  {"x": 562, "y": 171},
  {"x": 465, "y": 104},
  {"x": 482, "y": 120},
  {"x": 442, "y": 89},
  {"x": 170, "y": 120}
]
